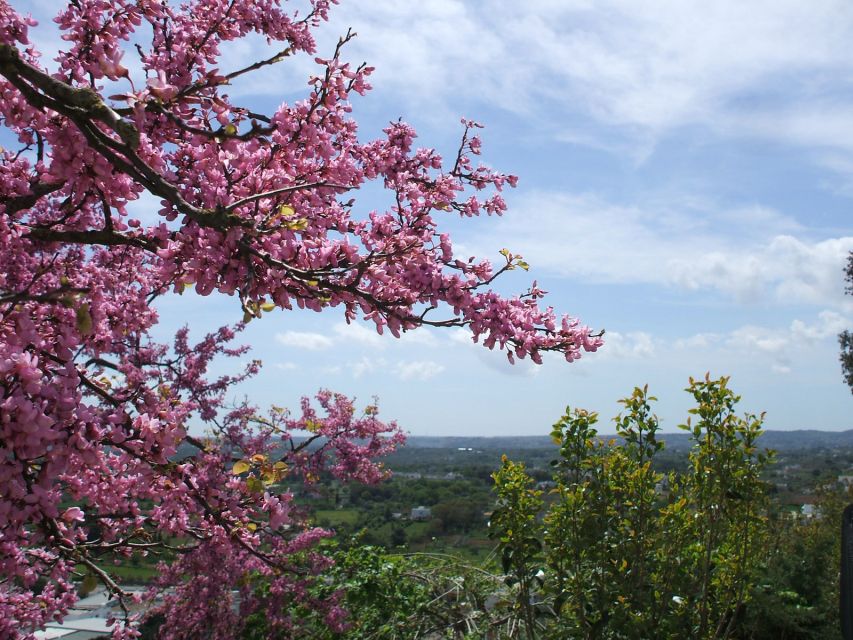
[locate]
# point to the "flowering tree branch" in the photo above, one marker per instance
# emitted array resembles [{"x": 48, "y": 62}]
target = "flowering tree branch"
[{"x": 94, "y": 410}]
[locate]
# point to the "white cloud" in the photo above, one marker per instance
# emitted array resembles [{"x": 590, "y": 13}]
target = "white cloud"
[
  {"x": 462, "y": 337},
  {"x": 789, "y": 269},
  {"x": 780, "y": 347},
  {"x": 761, "y": 339},
  {"x": 496, "y": 359},
  {"x": 747, "y": 253},
  {"x": 635, "y": 344},
  {"x": 422, "y": 336},
  {"x": 821, "y": 125},
  {"x": 640, "y": 69},
  {"x": 418, "y": 370},
  {"x": 353, "y": 334},
  {"x": 403, "y": 369},
  {"x": 644, "y": 68},
  {"x": 698, "y": 341},
  {"x": 286, "y": 366},
  {"x": 366, "y": 366},
  {"x": 358, "y": 334},
  {"x": 829, "y": 325},
  {"x": 304, "y": 340}
]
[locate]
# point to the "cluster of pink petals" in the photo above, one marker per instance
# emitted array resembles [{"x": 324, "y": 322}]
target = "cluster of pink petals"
[{"x": 93, "y": 410}]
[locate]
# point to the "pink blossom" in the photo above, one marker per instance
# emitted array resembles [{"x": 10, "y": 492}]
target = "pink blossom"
[{"x": 72, "y": 514}]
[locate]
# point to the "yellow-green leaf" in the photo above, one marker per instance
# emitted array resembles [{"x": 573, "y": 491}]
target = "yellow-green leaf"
[
  {"x": 300, "y": 224},
  {"x": 241, "y": 466},
  {"x": 84, "y": 320},
  {"x": 230, "y": 130},
  {"x": 255, "y": 485},
  {"x": 284, "y": 211},
  {"x": 90, "y": 582}
]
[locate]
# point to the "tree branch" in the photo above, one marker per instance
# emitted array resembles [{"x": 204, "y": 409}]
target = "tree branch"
[
  {"x": 103, "y": 237},
  {"x": 39, "y": 190}
]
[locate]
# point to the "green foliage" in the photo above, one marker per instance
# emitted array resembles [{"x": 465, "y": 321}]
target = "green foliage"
[
  {"x": 457, "y": 515},
  {"x": 400, "y": 597},
  {"x": 624, "y": 557},
  {"x": 381, "y": 601},
  {"x": 728, "y": 501},
  {"x": 615, "y": 549},
  {"x": 515, "y": 526},
  {"x": 797, "y": 597}
]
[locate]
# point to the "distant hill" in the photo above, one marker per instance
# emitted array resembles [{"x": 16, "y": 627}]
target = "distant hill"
[
  {"x": 807, "y": 439},
  {"x": 797, "y": 440},
  {"x": 800, "y": 439}
]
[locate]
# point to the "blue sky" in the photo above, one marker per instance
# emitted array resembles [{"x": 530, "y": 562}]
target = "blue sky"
[{"x": 686, "y": 184}]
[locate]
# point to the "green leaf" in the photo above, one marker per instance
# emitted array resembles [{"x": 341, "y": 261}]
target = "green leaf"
[{"x": 90, "y": 583}]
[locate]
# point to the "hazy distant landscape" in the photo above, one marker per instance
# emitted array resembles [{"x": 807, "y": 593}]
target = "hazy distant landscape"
[{"x": 778, "y": 440}]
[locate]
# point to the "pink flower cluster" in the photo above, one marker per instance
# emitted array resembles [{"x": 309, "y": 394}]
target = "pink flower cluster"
[{"x": 92, "y": 410}]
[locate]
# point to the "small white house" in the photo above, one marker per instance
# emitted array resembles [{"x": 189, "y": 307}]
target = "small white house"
[{"x": 421, "y": 513}]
